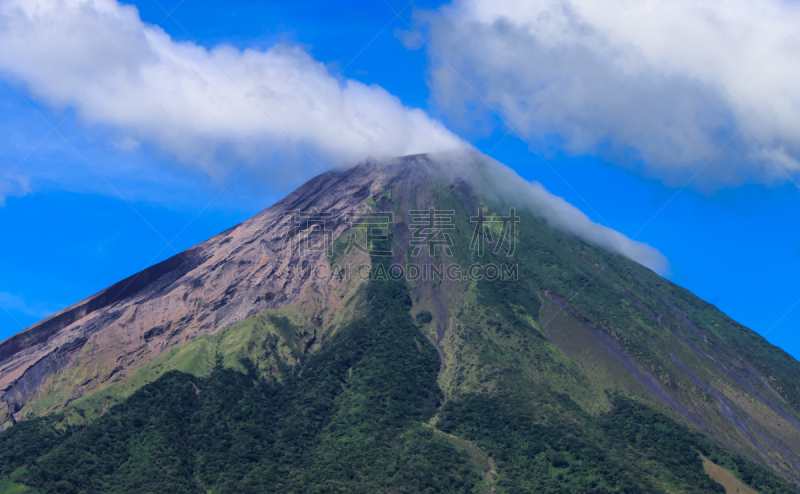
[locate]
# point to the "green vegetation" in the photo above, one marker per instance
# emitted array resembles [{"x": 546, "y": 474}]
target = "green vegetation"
[
  {"x": 495, "y": 336},
  {"x": 230, "y": 433},
  {"x": 664, "y": 328},
  {"x": 424, "y": 317},
  {"x": 348, "y": 419},
  {"x": 627, "y": 450},
  {"x": 524, "y": 403},
  {"x": 271, "y": 341}
]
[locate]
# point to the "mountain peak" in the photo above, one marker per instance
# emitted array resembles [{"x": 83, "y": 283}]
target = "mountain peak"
[
  {"x": 500, "y": 300},
  {"x": 238, "y": 273}
]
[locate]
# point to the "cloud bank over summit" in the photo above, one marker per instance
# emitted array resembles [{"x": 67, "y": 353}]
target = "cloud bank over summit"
[
  {"x": 500, "y": 183},
  {"x": 670, "y": 86},
  {"x": 510, "y": 188},
  {"x": 199, "y": 104},
  {"x": 212, "y": 108}
]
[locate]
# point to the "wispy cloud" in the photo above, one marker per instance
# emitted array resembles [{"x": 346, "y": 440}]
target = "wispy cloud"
[
  {"x": 15, "y": 303},
  {"x": 12, "y": 185},
  {"x": 670, "y": 85},
  {"x": 500, "y": 183}
]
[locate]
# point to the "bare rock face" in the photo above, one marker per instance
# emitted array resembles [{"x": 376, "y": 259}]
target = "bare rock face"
[{"x": 254, "y": 266}]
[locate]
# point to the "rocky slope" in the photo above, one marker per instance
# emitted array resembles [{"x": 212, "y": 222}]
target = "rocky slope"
[{"x": 241, "y": 272}]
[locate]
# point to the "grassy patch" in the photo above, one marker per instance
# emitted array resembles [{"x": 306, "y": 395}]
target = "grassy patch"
[{"x": 725, "y": 478}]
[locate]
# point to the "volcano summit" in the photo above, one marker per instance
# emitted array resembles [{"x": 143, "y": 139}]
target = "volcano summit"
[{"x": 425, "y": 324}]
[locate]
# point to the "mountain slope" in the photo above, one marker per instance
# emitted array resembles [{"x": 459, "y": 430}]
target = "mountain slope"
[
  {"x": 232, "y": 276},
  {"x": 238, "y": 368}
]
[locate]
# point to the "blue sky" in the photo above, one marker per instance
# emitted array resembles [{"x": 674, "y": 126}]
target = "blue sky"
[{"x": 84, "y": 210}]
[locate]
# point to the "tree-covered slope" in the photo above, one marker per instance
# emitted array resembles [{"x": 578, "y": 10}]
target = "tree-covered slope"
[
  {"x": 583, "y": 372},
  {"x": 363, "y": 414},
  {"x": 585, "y": 322},
  {"x": 349, "y": 417}
]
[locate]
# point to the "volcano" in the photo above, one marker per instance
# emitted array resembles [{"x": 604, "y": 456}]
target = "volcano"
[{"x": 400, "y": 326}]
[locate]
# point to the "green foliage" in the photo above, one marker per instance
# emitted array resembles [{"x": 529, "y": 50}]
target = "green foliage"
[
  {"x": 559, "y": 456},
  {"x": 645, "y": 312},
  {"x": 630, "y": 449},
  {"x": 9, "y": 485},
  {"x": 252, "y": 411},
  {"x": 336, "y": 252},
  {"x": 270, "y": 339},
  {"x": 642, "y": 431},
  {"x": 424, "y": 317},
  {"x": 27, "y": 441},
  {"x": 778, "y": 367},
  {"x": 349, "y": 419}
]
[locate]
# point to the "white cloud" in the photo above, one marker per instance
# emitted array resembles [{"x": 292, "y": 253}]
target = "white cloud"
[
  {"x": 12, "y": 302},
  {"x": 496, "y": 181},
  {"x": 668, "y": 85},
  {"x": 204, "y": 106}
]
